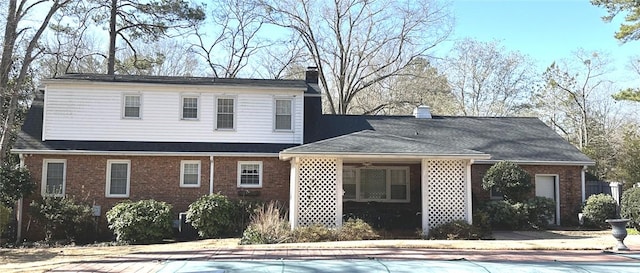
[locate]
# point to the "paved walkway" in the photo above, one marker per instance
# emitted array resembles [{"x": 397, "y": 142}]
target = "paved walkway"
[{"x": 367, "y": 259}]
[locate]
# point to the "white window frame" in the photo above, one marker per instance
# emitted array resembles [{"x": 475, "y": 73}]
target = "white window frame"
[
  {"x": 124, "y": 102},
  {"x": 388, "y": 184},
  {"x": 235, "y": 113},
  {"x": 108, "y": 184},
  {"x": 183, "y": 163},
  {"x": 45, "y": 169},
  {"x": 193, "y": 96},
  {"x": 275, "y": 112},
  {"x": 260, "y": 173}
]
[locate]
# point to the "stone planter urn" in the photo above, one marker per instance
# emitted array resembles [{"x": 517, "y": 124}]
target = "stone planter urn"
[{"x": 619, "y": 231}]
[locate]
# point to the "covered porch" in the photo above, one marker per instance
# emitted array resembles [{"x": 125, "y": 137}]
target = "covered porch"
[{"x": 331, "y": 179}]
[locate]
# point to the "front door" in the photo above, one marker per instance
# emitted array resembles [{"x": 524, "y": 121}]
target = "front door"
[{"x": 546, "y": 187}]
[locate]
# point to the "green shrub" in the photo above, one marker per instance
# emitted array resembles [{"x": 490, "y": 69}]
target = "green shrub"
[
  {"x": 356, "y": 229},
  {"x": 5, "y": 218},
  {"x": 503, "y": 215},
  {"x": 539, "y": 212},
  {"x": 15, "y": 183},
  {"x": 145, "y": 221},
  {"x": 314, "y": 233},
  {"x": 482, "y": 221},
  {"x": 630, "y": 206},
  {"x": 63, "y": 218},
  {"x": 211, "y": 215},
  {"x": 456, "y": 230},
  {"x": 241, "y": 213},
  {"x": 268, "y": 226},
  {"x": 598, "y": 208},
  {"x": 509, "y": 179}
]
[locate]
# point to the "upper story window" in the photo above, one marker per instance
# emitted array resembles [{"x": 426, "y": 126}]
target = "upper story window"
[
  {"x": 189, "y": 107},
  {"x": 383, "y": 184},
  {"x": 190, "y": 173},
  {"x": 249, "y": 174},
  {"x": 53, "y": 177},
  {"x": 118, "y": 178},
  {"x": 132, "y": 105},
  {"x": 283, "y": 114},
  {"x": 225, "y": 116}
]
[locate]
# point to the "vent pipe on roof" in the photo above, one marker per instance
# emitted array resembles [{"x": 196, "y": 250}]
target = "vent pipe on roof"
[{"x": 422, "y": 111}]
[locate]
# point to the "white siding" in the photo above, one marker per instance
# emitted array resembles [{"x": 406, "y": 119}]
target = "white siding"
[{"x": 94, "y": 112}]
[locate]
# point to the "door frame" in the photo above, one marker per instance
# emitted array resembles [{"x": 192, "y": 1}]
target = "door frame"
[{"x": 556, "y": 189}]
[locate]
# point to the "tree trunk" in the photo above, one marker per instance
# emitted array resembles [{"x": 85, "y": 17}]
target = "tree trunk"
[
  {"x": 111, "y": 62},
  {"x": 7, "y": 54}
]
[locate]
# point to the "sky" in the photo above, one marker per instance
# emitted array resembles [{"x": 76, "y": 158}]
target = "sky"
[{"x": 545, "y": 30}]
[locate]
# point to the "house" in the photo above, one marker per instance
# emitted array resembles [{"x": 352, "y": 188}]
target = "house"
[{"x": 104, "y": 139}]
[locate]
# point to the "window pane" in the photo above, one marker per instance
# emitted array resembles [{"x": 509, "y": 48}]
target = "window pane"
[
  {"x": 283, "y": 114},
  {"x": 190, "y": 108},
  {"x": 250, "y": 174},
  {"x": 225, "y": 114},
  {"x": 55, "y": 177},
  {"x": 190, "y": 174},
  {"x": 399, "y": 184},
  {"x": 132, "y": 106},
  {"x": 118, "y": 178},
  {"x": 373, "y": 184},
  {"x": 349, "y": 183}
]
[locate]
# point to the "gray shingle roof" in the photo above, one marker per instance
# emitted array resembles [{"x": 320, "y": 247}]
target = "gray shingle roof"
[
  {"x": 504, "y": 138},
  {"x": 369, "y": 142},
  {"x": 309, "y": 88}
]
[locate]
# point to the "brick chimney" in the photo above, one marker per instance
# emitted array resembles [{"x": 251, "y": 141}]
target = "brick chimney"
[
  {"x": 311, "y": 76},
  {"x": 312, "y": 105}
]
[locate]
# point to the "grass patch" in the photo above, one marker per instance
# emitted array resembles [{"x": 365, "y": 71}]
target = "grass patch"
[{"x": 633, "y": 231}]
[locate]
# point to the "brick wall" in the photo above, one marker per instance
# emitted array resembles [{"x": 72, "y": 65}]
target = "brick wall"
[
  {"x": 570, "y": 186},
  {"x": 158, "y": 177}
]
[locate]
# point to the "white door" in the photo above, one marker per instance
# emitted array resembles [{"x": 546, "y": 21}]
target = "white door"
[{"x": 546, "y": 187}]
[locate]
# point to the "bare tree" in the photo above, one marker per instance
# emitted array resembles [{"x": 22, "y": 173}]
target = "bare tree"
[
  {"x": 16, "y": 60},
  {"x": 284, "y": 59},
  {"x": 231, "y": 37},
  {"x": 488, "y": 80},
  {"x": 72, "y": 48},
  {"x": 565, "y": 101},
  {"x": 356, "y": 44},
  {"x": 419, "y": 83},
  {"x": 167, "y": 57}
]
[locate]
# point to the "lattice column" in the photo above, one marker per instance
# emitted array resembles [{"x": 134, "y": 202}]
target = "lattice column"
[
  {"x": 445, "y": 194},
  {"x": 318, "y": 186}
]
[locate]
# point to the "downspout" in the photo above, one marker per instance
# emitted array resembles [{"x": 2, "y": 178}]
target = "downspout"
[
  {"x": 19, "y": 208},
  {"x": 583, "y": 178},
  {"x": 211, "y": 174}
]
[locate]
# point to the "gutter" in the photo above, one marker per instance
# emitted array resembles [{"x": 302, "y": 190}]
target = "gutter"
[
  {"x": 287, "y": 156},
  {"x": 138, "y": 153},
  {"x": 534, "y": 162}
]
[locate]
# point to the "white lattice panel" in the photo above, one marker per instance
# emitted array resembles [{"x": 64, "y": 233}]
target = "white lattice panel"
[
  {"x": 446, "y": 191},
  {"x": 318, "y": 201}
]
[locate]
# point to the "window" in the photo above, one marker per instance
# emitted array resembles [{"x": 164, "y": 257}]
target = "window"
[
  {"x": 131, "y": 106},
  {"x": 385, "y": 184},
  {"x": 190, "y": 173},
  {"x": 225, "y": 115},
  {"x": 53, "y": 177},
  {"x": 118, "y": 178},
  {"x": 190, "y": 107},
  {"x": 249, "y": 174},
  {"x": 283, "y": 114}
]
